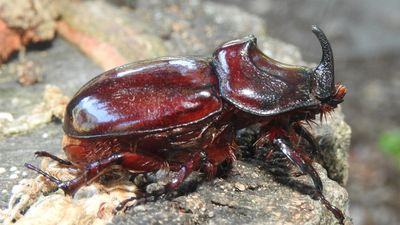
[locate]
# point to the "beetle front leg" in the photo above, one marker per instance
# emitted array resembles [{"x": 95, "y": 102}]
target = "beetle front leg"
[
  {"x": 285, "y": 147},
  {"x": 283, "y": 144},
  {"x": 304, "y": 133}
]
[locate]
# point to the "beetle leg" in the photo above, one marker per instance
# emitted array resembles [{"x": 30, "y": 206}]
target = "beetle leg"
[
  {"x": 53, "y": 157},
  {"x": 211, "y": 161},
  {"x": 92, "y": 170},
  {"x": 48, "y": 176},
  {"x": 206, "y": 166},
  {"x": 184, "y": 171},
  {"x": 284, "y": 145},
  {"x": 219, "y": 160},
  {"x": 139, "y": 200},
  {"x": 220, "y": 153},
  {"x": 304, "y": 133}
]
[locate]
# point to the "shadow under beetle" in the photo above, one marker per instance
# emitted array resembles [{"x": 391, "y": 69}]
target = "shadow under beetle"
[{"x": 182, "y": 113}]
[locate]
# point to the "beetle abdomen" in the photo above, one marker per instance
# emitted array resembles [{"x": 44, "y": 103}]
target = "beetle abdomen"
[{"x": 144, "y": 97}]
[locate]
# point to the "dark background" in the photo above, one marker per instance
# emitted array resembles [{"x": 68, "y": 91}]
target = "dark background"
[{"x": 365, "y": 39}]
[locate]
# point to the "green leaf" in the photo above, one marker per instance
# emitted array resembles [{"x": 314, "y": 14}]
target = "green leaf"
[{"x": 389, "y": 142}]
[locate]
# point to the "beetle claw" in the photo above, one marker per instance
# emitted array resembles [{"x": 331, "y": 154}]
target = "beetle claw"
[
  {"x": 122, "y": 206},
  {"x": 53, "y": 157}
]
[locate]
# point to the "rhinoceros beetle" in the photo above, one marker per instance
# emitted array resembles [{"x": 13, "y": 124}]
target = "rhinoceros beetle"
[{"x": 183, "y": 112}]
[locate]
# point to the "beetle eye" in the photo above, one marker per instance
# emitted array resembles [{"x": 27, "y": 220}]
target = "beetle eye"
[{"x": 337, "y": 97}]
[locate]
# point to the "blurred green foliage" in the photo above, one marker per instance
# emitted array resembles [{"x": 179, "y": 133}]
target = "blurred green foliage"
[{"x": 389, "y": 142}]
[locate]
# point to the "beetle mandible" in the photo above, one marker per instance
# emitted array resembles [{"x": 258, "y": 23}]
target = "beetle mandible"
[{"x": 184, "y": 111}]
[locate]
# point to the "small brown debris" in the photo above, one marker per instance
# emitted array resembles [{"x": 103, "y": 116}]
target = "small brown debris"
[{"x": 29, "y": 73}]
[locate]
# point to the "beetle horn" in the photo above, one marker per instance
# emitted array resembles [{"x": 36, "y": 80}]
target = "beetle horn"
[{"x": 324, "y": 72}]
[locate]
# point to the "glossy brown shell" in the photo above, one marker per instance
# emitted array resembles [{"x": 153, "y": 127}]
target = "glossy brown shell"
[
  {"x": 144, "y": 97},
  {"x": 259, "y": 85}
]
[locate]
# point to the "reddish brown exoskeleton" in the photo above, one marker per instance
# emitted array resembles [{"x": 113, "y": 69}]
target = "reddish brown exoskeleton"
[{"x": 183, "y": 112}]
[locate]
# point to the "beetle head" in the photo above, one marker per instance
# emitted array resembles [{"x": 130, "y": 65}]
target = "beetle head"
[{"x": 329, "y": 93}]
